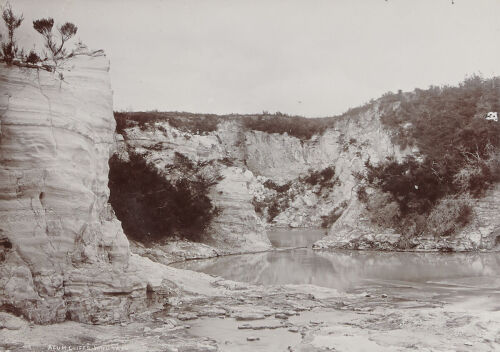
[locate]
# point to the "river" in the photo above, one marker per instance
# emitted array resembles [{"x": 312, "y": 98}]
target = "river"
[{"x": 448, "y": 276}]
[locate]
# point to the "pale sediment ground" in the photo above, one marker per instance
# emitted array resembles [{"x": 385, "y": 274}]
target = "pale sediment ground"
[{"x": 281, "y": 318}]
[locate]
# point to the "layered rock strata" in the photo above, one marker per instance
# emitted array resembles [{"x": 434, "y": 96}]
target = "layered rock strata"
[
  {"x": 257, "y": 156},
  {"x": 63, "y": 254}
]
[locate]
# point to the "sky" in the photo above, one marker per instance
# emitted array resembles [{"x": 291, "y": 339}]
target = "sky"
[{"x": 312, "y": 58}]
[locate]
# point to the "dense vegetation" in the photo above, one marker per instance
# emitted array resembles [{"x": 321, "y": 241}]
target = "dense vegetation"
[
  {"x": 186, "y": 122},
  {"x": 297, "y": 126},
  {"x": 300, "y": 127},
  {"x": 278, "y": 188},
  {"x": 324, "y": 178},
  {"x": 459, "y": 158},
  {"x": 275, "y": 204},
  {"x": 151, "y": 207}
]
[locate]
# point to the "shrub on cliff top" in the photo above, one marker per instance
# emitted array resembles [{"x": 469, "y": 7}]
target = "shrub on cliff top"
[
  {"x": 191, "y": 123},
  {"x": 12, "y": 22},
  {"x": 66, "y": 32},
  {"x": 296, "y": 126},
  {"x": 33, "y": 57},
  {"x": 151, "y": 207}
]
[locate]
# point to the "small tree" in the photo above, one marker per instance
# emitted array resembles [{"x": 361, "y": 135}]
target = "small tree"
[
  {"x": 12, "y": 22},
  {"x": 66, "y": 32},
  {"x": 32, "y": 57}
]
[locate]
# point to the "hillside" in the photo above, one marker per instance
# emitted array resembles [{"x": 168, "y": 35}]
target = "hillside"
[
  {"x": 438, "y": 192},
  {"x": 258, "y": 179},
  {"x": 405, "y": 159}
]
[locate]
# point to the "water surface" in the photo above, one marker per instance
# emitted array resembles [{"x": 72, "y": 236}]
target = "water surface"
[
  {"x": 428, "y": 274},
  {"x": 467, "y": 281}
]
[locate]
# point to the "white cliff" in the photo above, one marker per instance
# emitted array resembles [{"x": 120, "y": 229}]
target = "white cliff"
[
  {"x": 237, "y": 228},
  {"x": 248, "y": 159},
  {"x": 63, "y": 254},
  {"x": 257, "y": 156},
  {"x": 346, "y": 145}
]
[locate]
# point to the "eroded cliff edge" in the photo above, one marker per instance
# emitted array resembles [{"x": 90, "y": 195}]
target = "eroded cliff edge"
[
  {"x": 266, "y": 179},
  {"x": 63, "y": 254}
]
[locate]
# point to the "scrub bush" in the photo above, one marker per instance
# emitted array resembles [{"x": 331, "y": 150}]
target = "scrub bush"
[
  {"x": 153, "y": 208},
  {"x": 459, "y": 157}
]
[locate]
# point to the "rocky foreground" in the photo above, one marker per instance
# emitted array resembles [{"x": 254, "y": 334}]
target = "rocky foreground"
[{"x": 284, "y": 318}]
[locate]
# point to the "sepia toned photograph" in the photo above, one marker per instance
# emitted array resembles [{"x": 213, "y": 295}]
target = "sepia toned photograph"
[{"x": 249, "y": 175}]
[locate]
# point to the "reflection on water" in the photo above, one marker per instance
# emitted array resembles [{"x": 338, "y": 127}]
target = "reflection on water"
[
  {"x": 347, "y": 270},
  {"x": 286, "y": 238}
]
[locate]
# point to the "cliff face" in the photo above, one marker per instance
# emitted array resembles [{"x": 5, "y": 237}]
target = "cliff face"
[
  {"x": 345, "y": 147},
  {"x": 271, "y": 173},
  {"x": 62, "y": 251},
  {"x": 256, "y": 157},
  {"x": 237, "y": 228}
]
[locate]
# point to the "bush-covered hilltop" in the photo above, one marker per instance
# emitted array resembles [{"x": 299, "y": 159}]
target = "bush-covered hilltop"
[
  {"x": 458, "y": 159},
  {"x": 297, "y": 126},
  {"x": 300, "y": 127}
]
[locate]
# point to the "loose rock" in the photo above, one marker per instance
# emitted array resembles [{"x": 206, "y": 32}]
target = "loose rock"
[
  {"x": 187, "y": 316},
  {"x": 248, "y": 316},
  {"x": 10, "y": 322}
]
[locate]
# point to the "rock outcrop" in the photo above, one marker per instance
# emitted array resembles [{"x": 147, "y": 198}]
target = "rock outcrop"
[
  {"x": 346, "y": 145},
  {"x": 353, "y": 230},
  {"x": 237, "y": 228},
  {"x": 63, "y": 254}
]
